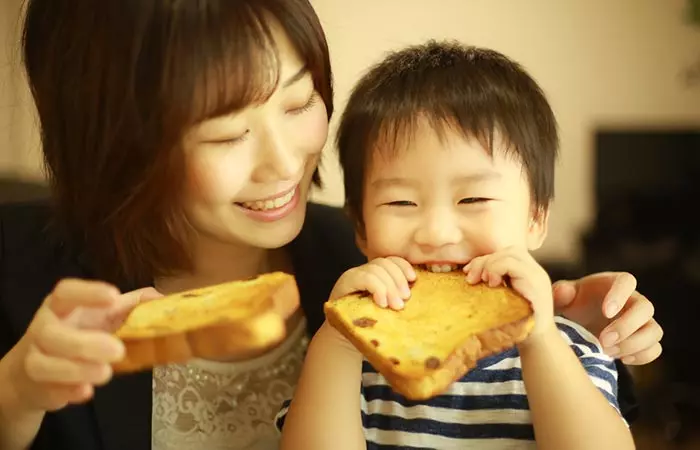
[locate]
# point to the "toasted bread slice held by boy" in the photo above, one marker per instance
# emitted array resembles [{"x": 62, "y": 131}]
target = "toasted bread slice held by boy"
[
  {"x": 214, "y": 322},
  {"x": 445, "y": 328}
]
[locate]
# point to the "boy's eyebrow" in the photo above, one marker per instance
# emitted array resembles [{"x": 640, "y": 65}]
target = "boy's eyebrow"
[
  {"x": 296, "y": 77},
  {"x": 405, "y": 182},
  {"x": 389, "y": 182},
  {"x": 481, "y": 176}
]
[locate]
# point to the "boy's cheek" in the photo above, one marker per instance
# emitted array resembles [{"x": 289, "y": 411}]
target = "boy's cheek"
[{"x": 384, "y": 237}]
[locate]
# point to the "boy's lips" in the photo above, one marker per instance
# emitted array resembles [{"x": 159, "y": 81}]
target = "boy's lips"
[{"x": 440, "y": 266}]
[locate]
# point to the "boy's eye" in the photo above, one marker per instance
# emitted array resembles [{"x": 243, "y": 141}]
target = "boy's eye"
[
  {"x": 470, "y": 200},
  {"x": 401, "y": 203}
]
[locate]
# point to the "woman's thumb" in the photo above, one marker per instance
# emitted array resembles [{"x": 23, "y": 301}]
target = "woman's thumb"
[
  {"x": 131, "y": 299},
  {"x": 564, "y": 292},
  {"x": 146, "y": 294}
]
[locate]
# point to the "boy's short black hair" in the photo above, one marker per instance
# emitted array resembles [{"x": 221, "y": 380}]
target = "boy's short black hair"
[{"x": 478, "y": 92}]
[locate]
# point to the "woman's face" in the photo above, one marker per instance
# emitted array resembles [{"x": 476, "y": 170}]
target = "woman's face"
[{"x": 250, "y": 172}]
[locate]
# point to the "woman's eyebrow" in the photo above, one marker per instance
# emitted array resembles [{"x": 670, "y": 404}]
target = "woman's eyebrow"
[{"x": 296, "y": 77}]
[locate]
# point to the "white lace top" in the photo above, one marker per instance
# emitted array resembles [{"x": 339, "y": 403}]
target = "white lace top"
[{"x": 225, "y": 406}]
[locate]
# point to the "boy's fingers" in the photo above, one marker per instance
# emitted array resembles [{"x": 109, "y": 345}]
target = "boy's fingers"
[
  {"x": 397, "y": 282},
  {"x": 375, "y": 286},
  {"x": 391, "y": 291},
  {"x": 405, "y": 266}
]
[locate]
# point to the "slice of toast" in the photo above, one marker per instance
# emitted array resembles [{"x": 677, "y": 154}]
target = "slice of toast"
[
  {"x": 212, "y": 322},
  {"x": 445, "y": 328}
]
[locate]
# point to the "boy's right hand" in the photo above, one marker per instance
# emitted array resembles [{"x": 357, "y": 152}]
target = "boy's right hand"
[
  {"x": 69, "y": 346},
  {"x": 387, "y": 279}
]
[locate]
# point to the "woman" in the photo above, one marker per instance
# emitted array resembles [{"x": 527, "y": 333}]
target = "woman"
[{"x": 182, "y": 139}]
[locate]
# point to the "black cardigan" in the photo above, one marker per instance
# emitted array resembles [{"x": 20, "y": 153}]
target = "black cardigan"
[{"x": 34, "y": 256}]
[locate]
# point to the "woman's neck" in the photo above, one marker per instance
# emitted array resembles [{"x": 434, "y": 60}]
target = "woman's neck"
[{"x": 215, "y": 262}]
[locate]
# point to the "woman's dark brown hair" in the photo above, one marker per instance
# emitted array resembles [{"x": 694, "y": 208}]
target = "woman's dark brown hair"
[{"x": 117, "y": 84}]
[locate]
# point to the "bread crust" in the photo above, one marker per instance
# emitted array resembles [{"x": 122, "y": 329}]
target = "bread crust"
[
  {"x": 424, "y": 381},
  {"x": 239, "y": 317}
]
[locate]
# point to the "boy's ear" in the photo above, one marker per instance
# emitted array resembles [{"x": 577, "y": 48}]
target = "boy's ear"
[
  {"x": 360, "y": 240},
  {"x": 361, "y": 243},
  {"x": 537, "y": 228}
]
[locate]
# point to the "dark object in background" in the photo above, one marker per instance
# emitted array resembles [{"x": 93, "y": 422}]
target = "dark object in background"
[{"x": 647, "y": 194}]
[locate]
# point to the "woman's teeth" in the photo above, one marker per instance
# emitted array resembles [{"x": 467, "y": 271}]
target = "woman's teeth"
[
  {"x": 264, "y": 205},
  {"x": 441, "y": 268}
]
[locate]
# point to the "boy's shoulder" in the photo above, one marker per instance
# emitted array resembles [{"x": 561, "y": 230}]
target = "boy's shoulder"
[{"x": 579, "y": 337}]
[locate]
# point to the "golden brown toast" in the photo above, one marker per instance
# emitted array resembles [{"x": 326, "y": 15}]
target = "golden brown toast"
[
  {"x": 212, "y": 322},
  {"x": 445, "y": 328}
]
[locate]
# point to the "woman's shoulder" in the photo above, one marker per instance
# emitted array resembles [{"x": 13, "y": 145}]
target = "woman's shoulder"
[
  {"x": 330, "y": 234},
  {"x": 33, "y": 257},
  {"x": 24, "y": 217},
  {"x": 26, "y": 238},
  {"x": 324, "y": 249},
  {"x": 29, "y": 238}
]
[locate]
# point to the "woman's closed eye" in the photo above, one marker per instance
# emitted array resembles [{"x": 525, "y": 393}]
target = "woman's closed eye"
[
  {"x": 310, "y": 103},
  {"x": 232, "y": 140}
]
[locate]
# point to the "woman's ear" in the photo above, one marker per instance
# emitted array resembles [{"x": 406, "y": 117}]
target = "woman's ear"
[{"x": 537, "y": 228}]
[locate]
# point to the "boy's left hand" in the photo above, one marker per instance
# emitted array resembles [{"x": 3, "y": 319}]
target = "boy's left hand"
[{"x": 525, "y": 275}]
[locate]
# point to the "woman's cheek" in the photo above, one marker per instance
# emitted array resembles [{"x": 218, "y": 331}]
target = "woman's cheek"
[
  {"x": 314, "y": 131},
  {"x": 213, "y": 179}
]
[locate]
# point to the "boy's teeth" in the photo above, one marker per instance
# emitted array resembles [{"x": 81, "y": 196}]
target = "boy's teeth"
[
  {"x": 440, "y": 268},
  {"x": 264, "y": 205}
]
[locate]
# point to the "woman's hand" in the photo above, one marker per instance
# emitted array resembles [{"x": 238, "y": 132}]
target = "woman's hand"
[
  {"x": 608, "y": 305},
  {"x": 69, "y": 346}
]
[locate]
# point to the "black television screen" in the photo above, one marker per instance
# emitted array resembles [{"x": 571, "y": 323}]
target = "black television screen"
[{"x": 643, "y": 162}]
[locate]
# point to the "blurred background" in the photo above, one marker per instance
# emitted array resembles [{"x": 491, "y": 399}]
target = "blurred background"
[{"x": 624, "y": 79}]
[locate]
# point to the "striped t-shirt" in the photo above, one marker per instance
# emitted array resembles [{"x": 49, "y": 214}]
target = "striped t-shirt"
[{"x": 486, "y": 409}]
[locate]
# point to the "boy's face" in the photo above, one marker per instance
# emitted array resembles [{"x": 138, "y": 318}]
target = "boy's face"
[{"x": 444, "y": 202}]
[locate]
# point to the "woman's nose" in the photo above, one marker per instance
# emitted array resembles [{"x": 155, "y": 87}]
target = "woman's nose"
[{"x": 277, "y": 158}]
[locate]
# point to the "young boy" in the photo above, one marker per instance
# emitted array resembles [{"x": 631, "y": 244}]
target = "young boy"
[{"x": 448, "y": 155}]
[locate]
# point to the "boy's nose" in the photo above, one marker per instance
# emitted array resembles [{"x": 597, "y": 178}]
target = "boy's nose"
[{"x": 439, "y": 229}]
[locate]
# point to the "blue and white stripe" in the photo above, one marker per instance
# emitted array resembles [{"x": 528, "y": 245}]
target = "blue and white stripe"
[{"x": 486, "y": 409}]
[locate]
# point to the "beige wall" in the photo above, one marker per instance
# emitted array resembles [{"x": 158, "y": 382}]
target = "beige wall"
[
  {"x": 602, "y": 62},
  {"x": 19, "y": 147},
  {"x": 6, "y": 87}
]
